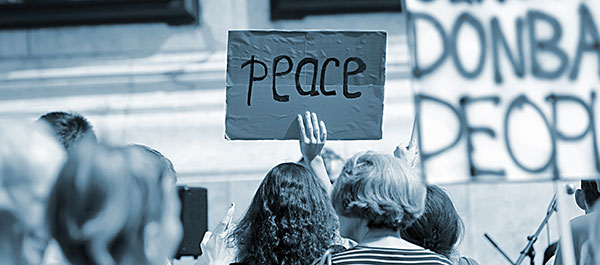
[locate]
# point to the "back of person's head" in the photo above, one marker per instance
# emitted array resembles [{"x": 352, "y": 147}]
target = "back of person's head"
[
  {"x": 289, "y": 221},
  {"x": 590, "y": 192},
  {"x": 440, "y": 227},
  {"x": 167, "y": 164},
  {"x": 113, "y": 206},
  {"x": 30, "y": 159},
  {"x": 69, "y": 128},
  {"x": 381, "y": 189}
]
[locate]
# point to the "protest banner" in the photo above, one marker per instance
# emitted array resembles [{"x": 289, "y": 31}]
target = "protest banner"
[
  {"x": 272, "y": 76},
  {"x": 505, "y": 90}
]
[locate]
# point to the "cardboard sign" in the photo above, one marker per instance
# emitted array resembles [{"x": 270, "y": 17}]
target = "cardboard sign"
[
  {"x": 274, "y": 75},
  {"x": 506, "y": 90}
]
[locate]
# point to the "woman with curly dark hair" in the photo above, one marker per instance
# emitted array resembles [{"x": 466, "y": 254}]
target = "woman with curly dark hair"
[{"x": 290, "y": 220}]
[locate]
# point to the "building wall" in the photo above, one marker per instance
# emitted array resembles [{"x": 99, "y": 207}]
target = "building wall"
[{"x": 163, "y": 86}]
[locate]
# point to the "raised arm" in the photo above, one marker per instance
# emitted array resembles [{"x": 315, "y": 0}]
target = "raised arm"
[
  {"x": 408, "y": 152},
  {"x": 215, "y": 250},
  {"x": 313, "y": 135}
]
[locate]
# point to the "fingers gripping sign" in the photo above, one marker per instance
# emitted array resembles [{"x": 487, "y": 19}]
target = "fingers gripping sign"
[
  {"x": 408, "y": 152},
  {"x": 215, "y": 249}
]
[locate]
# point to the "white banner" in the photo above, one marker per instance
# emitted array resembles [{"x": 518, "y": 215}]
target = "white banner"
[{"x": 506, "y": 90}]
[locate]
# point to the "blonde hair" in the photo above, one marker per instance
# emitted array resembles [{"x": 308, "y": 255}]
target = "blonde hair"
[
  {"x": 102, "y": 201},
  {"x": 380, "y": 188}
]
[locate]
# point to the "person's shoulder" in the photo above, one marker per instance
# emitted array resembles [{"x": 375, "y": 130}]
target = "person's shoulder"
[
  {"x": 581, "y": 223},
  {"x": 581, "y": 219},
  {"x": 362, "y": 254}
]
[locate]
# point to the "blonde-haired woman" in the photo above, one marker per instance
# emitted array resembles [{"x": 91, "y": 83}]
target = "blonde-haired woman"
[{"x": 376, "y": 196}]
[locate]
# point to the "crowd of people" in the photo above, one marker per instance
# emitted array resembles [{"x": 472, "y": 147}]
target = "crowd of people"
[
  {"x": 66, "y": 198},
  {"x": 376, "y": 211}
]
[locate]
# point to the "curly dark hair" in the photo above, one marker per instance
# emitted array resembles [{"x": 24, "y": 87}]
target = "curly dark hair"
[{"x": 290, "y": 220}]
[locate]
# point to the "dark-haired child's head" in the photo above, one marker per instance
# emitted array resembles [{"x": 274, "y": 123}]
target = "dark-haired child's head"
[
  {"x": 440, "y": 227},
  {"x": 69, "y": 128}
]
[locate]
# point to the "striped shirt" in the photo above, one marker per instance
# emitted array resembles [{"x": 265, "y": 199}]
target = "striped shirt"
[{"x": 373, "y": 255}]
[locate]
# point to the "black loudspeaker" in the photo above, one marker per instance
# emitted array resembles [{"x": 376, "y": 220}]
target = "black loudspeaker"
[{"x": 194, "y": 218}]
